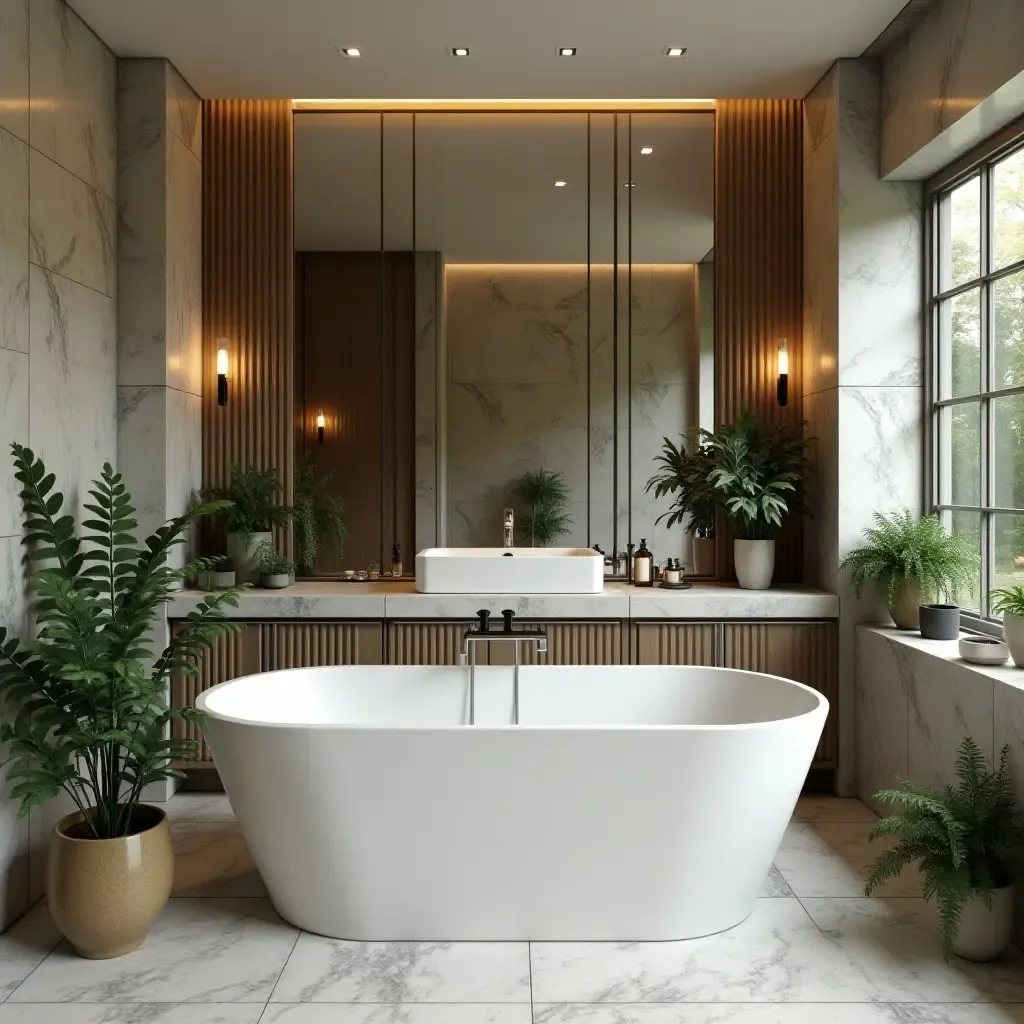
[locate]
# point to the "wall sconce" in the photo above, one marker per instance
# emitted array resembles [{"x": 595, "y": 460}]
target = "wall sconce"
[
  {"x": 782, "y": 384},
  {"x": 222, "y": 374},
  {"x": 321, "y": 423}
]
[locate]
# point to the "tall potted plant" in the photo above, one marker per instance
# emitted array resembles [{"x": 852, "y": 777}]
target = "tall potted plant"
[
  {"x": 543, "y": 496},
  {"x": 968, "y": 841},
  {"x": 687, "y": 477},
  {"x": 250, "y": 512},
  {"x": 757, "y": 476},
  {"x": 318, "y": 516},
  {"x": 911, "y": 561},
  {"x": 85, "y": 708}
]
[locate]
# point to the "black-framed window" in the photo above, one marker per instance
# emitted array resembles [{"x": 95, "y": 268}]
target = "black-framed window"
[{"x": 976, "y": 348}]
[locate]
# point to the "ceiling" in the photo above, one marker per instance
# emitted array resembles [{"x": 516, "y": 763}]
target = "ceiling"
[
  {"x": 485, "y": 192},
  {"x": 287, "y": 48}
]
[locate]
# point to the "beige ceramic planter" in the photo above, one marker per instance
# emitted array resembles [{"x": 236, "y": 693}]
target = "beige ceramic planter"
[
  {"x": 105, "y": 893},
  {"x": 906, "y": 603}
]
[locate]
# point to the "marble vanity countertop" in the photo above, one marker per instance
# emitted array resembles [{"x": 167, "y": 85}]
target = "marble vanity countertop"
[{"x": 332, "y": 600}]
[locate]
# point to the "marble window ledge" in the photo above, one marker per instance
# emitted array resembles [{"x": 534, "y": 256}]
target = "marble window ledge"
[{"x": 708, "y": 601}]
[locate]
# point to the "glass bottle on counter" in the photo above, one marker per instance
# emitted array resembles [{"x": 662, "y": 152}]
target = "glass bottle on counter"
[
  {"x": 396, "y": 560},
  {"x": 643, "y": 566}
]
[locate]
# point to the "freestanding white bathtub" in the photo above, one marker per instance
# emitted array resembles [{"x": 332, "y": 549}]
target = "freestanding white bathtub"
[{"x": 630, "y": 802}]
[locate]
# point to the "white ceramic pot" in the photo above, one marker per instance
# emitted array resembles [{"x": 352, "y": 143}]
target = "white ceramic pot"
[
  {"x": 985, "y": 933},
  {"x": 755, "y": 563},
  {"x": 223, "y": 580},
  {"x": 276, "y": 580},
  {"x": 1013, "y": 634},
  {"x": 242, "y": 548},
  {"x": 906, "y": 603},
  {"x": 703, "y": 556}
]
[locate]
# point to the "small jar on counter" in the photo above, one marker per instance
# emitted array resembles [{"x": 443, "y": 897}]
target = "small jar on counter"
[{"x": 671, "y": 572}]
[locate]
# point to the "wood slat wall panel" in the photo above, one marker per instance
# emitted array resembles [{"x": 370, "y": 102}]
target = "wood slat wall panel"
[
  {"x": 569, "y": 643},
  {"x": 675, "y": 643},
  {"x": 807, "y": 652},
  {"x": 310, "y": 644},
  {"x": 248, "y": 284},
  {"x": 424, "y": 643},
  {"x": 758, "y": 280}
]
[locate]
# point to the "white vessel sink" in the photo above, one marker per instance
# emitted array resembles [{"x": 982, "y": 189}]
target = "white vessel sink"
[{"x": 509, "y": 571}]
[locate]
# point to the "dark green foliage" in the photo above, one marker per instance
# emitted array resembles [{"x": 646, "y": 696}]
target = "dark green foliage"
[
  {"x": 1008, "y": 602},
  {"x": 250, "y": 501},
  {"x": 272, "y": 563},
  {"x": 86, "y": 708},
  {"x": 318, "y": 514},
  {"x": 967, "y": 839},
  {"x": 688, "y": 477},
  {"x": 902, "y": 547},
  {"x": 543, "y": 496}
]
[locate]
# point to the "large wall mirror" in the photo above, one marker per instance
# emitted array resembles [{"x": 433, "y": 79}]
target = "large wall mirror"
[{"x": 483, "y": 295}]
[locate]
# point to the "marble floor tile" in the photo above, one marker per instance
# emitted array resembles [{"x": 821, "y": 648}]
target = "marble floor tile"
[
  {"x": 199, "y": 950},
  {"x": 889, "y": 949},
  {"x": 396, "y": 1013},
  {"x": 199, "y": 807},
  {"x": 130, "y": 1013},
  {"x": 780, "y": 1013},
  {"x": 775, "y": 884},
  {"x": 832, "y": 808},
  {"x": 212, "y": 859},
  {"x": 335, "y": 971},
  {"x": 24, "y": 946},
  {"x": 833, "y": 859}
]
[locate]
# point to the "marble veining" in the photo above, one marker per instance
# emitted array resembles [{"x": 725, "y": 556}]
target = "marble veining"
[
  {"x": 13, "y": 241},
  {"x": 14, "y": 67},
  {"x": 13, "y": 427}
]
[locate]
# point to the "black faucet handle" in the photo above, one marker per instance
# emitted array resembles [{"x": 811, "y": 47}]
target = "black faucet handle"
[
  {"x": 485, "y": 620},
  {"x": 508, "y": 615}
]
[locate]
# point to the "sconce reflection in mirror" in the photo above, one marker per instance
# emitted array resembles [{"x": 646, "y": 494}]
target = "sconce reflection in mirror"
[
  {"x": 782, "y": 384},
  {"x": 321, "y": 423},
  {"x": 222, "y": 373}
]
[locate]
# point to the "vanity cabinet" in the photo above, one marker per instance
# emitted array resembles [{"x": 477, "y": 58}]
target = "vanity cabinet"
[{"x": 675, "y": 643}]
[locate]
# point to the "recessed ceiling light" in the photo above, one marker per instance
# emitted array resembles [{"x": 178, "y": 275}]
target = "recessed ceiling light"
[
  {"x": 560, "y": 184},
  {"x": 460, "y": 51},
  {"x": 675, "y": 51},
  {"x": 646, "y": 150},
  {"x": 567, "y": 51},
  {"x": 350, "y": 51}
]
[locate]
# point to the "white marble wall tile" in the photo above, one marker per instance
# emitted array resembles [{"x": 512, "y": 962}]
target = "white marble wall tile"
[
  {"x": 768, "y": 1013},
  {"x": 481, "y": 289},
  {"x": 184, "y": 449},
  {"x": 72, "y": 326},
  {"x": 72, "y": 226},
  {"x": 41, "y": 824},
  {"x": 428, "y": 302},
  {"x": 141, "y": 444},
  {"x": 73, "y": 80},
  {"x": 13, "y": 427},
  {"x": 13, "y": 242},
  {"x": 114, "y": 1013},
  {"x": 821, "y": 266},
  {"x": 1008, "y": 728},
  {"x": 184, "y": 205},
  {"x": 14, "y": 67},
  {"x": 184, "y": 115}
]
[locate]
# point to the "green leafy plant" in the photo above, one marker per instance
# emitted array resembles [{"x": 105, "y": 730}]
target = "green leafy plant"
[
  {"x": 1008, "y": 602},
  {"x": 758, "y": 475},
  {"x": 688, "y": 477},
  {"x": 272, "y": 563},
  {"x": 967, "y": 839},
  {"x": 900, "y": 547},
  {"x": 86, "y": 700},
  {"x": 250, "y": 501},
  {"x": 543, "y": 495},
  {"x": 318, "y": 514}
]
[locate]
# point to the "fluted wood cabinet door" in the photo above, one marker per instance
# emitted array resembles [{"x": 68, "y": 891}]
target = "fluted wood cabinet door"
[
  {"x": 311, "y": 644},
  {"x": 806, "y": 651},
  {"x": 569, "y": 643},
  {"x": 426, "y": 643},
  {"x": 231, "y": 656},
  {"x": 674, "y": 643}
]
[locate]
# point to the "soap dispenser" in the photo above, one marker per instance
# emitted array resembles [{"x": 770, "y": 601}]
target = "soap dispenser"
[{"x": 643, "y": 566}]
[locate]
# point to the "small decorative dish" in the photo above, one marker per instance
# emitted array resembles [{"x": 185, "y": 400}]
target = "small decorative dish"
[
  {"x": 665, "y": 585},
  {"x": 983, "y": 650}
]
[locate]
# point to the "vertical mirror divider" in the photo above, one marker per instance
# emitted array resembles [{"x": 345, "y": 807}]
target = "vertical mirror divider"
[{"x": 590, "y": 450}]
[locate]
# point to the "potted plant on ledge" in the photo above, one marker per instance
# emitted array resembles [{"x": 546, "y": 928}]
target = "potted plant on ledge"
[
  {"x": 1010, "y": 604},
  {"x": 912, "y": 561},
  {"x": 277, "y": 571},
  {"x": 84, "y": 704},
  {"x": 318, "y": 516},
  {"x": 758, "y": 474},
  {"x": 968, "y": 840}
]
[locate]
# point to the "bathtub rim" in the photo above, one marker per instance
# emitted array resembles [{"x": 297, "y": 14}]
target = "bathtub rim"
[{"x": 822, "y": 705}]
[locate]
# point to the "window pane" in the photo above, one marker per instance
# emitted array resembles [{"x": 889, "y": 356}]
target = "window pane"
[
  {"x": 960, "y": 234},
  {"x": 965, "y": 455},
  {"x": 968, "y": 523},
  {"x": 1008, "y": 296},
  {"x": 960, "y": 340},
  {"x": 1008, "y": 457},
  {"x": 1009, "y": 552},
  {"x": 1008, "y": 182}
]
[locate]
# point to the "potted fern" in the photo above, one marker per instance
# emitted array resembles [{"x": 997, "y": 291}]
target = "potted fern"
[
  {"x": 277, "y": 571},
  {"x": 318, "y": 516},
  {"x": 757, "y": 475},
  {"x": 543, "y": 497},
  {"x": 84, "y": 704},
  {"x": 250, "y": 513},
  {"x": 912, "y": 561},
  {"x": 1010, "y": 604},
  {"x": 968, "y": 840},
  {"x": 688, "y": 478}
]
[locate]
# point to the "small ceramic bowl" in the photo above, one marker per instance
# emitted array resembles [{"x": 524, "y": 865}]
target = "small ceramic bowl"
[{"x": 983, "y": 650}]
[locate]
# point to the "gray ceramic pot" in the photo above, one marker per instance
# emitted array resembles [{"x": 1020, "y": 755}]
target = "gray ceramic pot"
[{"x": 940, "y": 621}]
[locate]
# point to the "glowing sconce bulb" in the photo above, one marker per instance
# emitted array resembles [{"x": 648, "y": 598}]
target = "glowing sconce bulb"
[
  {"x": 321, "y": 424},
  {"x": 782, "y": 384},
  {"x": 222, "y": 374}
]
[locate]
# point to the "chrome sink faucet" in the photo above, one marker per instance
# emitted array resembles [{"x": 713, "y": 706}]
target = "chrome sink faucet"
[{"x": 510, "y": 529}]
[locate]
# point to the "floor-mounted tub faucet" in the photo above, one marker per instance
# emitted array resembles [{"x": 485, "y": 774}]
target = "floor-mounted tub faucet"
[
  {"x": 510, "y": 528},
  {"x": 507, "y": 634}
]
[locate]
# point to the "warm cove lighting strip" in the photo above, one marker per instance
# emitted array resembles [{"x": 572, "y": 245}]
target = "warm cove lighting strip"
[{"x": 488, "y": 106}]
